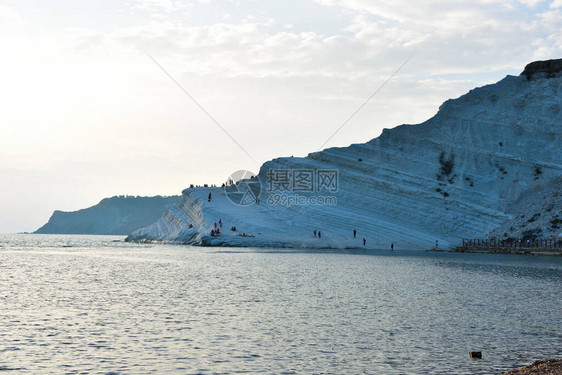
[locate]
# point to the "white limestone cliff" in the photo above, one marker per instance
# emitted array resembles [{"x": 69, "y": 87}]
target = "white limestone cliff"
[{"x": 458, "y": 175}]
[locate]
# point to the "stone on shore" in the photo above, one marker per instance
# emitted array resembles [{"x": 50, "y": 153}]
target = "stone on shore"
[{"x": 542, "y": 367}]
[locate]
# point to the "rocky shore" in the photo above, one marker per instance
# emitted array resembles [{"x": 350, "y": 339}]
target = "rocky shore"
[{"x": 542, "y": 367}]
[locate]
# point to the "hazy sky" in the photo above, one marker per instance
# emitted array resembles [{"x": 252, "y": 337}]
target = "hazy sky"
[{"x": 85, "y": 114}]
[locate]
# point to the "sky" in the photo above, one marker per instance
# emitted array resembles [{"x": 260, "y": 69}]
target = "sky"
[{"x": 86, "y": 113}]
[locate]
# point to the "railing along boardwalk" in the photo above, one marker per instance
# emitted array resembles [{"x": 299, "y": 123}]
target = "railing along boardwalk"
[{"x": 511, "y": 245}]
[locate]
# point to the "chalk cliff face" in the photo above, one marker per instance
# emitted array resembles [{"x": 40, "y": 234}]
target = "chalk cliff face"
[
  {"x": 458, "y": 175},
  {"x": 116, "y": 215}
]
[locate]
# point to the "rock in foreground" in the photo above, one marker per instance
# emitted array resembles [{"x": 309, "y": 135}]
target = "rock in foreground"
[{"x": 543, "y": 367}]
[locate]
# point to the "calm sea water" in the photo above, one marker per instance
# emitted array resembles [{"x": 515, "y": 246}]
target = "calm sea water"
[{"x": 94, "y": 304}]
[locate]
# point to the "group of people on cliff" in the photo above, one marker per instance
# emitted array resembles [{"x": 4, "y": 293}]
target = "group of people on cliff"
[
  {"x": 218, "y": 226},
  {"x": 217, "y": 230}
]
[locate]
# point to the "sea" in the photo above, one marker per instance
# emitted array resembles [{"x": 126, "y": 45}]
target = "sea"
[{"x": 99, "y": 305}]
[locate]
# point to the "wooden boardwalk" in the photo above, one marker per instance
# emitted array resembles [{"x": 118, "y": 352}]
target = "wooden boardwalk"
[{"x": 511, "y": 246}]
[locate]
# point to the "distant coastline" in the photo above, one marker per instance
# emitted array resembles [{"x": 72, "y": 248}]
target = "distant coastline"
[{"x": 119, "y": 215}]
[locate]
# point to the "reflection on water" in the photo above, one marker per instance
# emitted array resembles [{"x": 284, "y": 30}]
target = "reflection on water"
[{"x": 90, "y": 304}]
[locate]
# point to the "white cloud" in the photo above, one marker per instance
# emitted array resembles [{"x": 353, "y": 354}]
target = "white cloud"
[
  {"x": 531, "y": 3},
  {"x": 9, "y": 16},
  {"x": 454, "y": 36},
  {"x": 155, "y": 6}
]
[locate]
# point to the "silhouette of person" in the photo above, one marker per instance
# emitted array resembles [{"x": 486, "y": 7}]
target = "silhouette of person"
[
  {"x": 209, "y": 197},
  {"x": 391, "y": 247},
  {"x": 364, "y": 241},
  {"x": 354, "y": 233}
]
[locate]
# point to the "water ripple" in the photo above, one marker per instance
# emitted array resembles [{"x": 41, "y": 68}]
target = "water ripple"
[{"x": 88, "y": 304}]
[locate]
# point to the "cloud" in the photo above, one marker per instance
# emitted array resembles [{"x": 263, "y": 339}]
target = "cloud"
[
  {"x": 447, "y": 37},
  {"x": 155, "y": 6},
  {"x": 9, "y": 15},
  {"x": 451, "y": 37}
]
